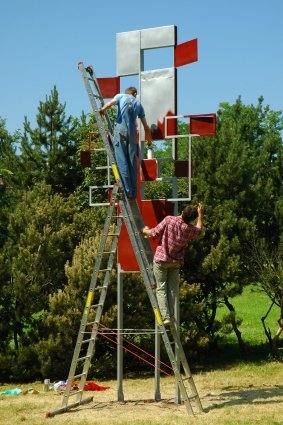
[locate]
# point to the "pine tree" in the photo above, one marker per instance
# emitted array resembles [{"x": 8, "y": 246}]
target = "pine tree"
[
  {"x": 237, "y": 176},
  {"x": 49, "y": 151}
]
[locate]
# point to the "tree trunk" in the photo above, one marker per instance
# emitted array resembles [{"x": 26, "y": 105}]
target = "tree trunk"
[
  {"x": 280, "y": 320},
  {"x": 238, "y": 333},
  {"x": 267, "y": 331}
]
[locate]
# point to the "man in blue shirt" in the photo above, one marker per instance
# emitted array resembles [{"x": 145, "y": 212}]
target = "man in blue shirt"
[{"x": 124, "y": 140}]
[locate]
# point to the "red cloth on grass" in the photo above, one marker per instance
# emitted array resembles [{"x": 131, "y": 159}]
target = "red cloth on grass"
[{"x": 93, "y": 386}]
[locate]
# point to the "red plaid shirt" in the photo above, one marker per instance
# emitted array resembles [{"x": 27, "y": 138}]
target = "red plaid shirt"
[{"x": 174, "y": 235}]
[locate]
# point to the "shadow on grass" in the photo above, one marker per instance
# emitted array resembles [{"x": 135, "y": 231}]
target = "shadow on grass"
[
  {"x": 236, "y": 397},
  {"x": 229, "y": 355},
  {"x": 106, "y": 405}
]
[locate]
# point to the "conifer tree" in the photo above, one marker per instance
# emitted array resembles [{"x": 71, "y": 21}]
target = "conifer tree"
[
  {"x": 49, "y": 151},
  {"x": 237, "y": 175}
]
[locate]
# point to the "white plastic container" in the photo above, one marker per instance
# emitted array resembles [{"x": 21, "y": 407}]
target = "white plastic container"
[
  {"x": 149, "y": 153},
  {"x": 46, "y": 385}
]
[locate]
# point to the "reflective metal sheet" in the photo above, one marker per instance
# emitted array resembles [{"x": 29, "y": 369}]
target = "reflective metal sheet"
[
  {"x": 158, "y": 95},
  {"x": 128, "y": 53},
  {"x": 158, "y": 37}
]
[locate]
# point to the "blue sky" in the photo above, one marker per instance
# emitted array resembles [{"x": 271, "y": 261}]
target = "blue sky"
[{"x": 41, "y": 42}]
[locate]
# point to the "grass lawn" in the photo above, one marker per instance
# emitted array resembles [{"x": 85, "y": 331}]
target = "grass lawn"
[
  {"x": 233, "y": 391},
  {"x": 245, "y": 394},
  {"x": 250, "y": 306}
]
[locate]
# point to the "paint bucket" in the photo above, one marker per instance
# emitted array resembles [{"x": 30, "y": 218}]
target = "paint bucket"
[
  {"x": 149, "y": 153},
  {"x": 46, "y": 385}
]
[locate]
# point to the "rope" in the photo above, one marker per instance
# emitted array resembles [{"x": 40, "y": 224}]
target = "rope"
[{"x": 137, "y": 347}]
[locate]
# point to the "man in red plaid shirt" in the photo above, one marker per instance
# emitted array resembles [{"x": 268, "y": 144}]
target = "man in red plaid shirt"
[{"x": 174, "y": 232}]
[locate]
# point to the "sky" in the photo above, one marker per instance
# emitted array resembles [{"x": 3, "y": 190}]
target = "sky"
[{"x": 240, "y": 49}]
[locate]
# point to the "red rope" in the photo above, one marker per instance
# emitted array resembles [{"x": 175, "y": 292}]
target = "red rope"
[
  {"x": 137, "y": 347},
  {"x": 133, "y": 353}
]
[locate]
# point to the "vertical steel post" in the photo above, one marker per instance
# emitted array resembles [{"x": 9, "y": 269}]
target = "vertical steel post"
[
  {"x": 190, "y": 167},
  {"x": 178, "y": 399},
  {"x": 174, "y": 148},
  {"x": 175, "y": 194},
  {"x": 157, "y": 395},
  {"x": 120, "y": 392}
]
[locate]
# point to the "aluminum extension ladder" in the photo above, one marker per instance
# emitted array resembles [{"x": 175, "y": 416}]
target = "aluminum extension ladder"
[{"x": 129, "y": 212}]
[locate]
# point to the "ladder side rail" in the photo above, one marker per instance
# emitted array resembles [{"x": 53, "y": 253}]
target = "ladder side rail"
[
  {"x": 95, "y": 82},
  {"x": 84, "y": 319},
  {"x": 184, "y": 363},
  {"x": 138, "y": 246},
  {"x": 99, "y": 120},
  {"x": 103, "y": 241},
  {"x": 91, "y": 345}
]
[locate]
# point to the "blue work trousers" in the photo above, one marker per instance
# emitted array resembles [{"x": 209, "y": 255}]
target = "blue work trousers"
[{"x": 126, "y": 150}]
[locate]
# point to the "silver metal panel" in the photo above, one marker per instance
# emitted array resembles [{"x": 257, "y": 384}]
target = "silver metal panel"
[
  {"x": 157, "y": 94},
  {"x": 128, "y": 53},
  {"x": 158, "y": 37}
]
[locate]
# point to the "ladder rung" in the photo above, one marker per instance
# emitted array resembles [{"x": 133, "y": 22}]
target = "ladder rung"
[
  {"x": 95, "y": 95},
  {"x": 113, "y": 234},
  {"x": 96, "y": 305},
  {"x": 100, "y": 287},
  {"x": 75, "y": 392},
  {"x": 192, "y": 397},
  {"x": 79, "y": 375},
  {"x": 85, "y": 341},
  {"x": 187, "y": 378},
  {"x": 103, "y": 167},
  {"x": 103, "y": 186},
  {"x": 108, "y": 252},
  {"x": 104, "y": 270},
  {"x": 83, "y": 358}
]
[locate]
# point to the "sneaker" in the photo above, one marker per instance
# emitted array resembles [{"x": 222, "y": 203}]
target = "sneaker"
[{"x": 166, "y": 322}]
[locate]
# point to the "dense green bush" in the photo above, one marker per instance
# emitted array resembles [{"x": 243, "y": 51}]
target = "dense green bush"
[{"x": 49, "y": 237}]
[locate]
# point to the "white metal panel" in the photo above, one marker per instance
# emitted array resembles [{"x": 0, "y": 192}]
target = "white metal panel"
[
  {"x": 128, "y": 53},
  {"x": 158, "y": 37},
  {"x": 158, "y": 94}
]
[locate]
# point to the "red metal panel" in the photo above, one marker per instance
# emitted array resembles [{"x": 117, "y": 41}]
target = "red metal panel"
[
  {"x": 204, "y": 125},
  {"x": 158, "y": 131},
  {"x": 153, "y": 211},
  {"x": 149, "y": 169},
  {"x": 186, "y": 53},
  {"x": 85, "y": 157},
  {"x": 172, "y": 125},
  {"x": 181, "y": 168},
  {"x": 126, "y": 256},
  {"x": 109, "y": 86}
]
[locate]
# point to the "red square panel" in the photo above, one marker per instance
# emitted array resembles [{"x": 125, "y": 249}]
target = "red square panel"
[
  {"x": 204, "y": 125},
  {"x": 85, "y": 157},
  {"x": 186, "y": 53},
  {"x": 149, "y": 169},
  {"x": 181, "y": 168},
  {"x": 158, "y": 130},
  {"x": 126, "y": 256},
  {"x": 109, "y": 86},
  {"x": 153, "y": 211},
  {"x": 172, "y": 126}
]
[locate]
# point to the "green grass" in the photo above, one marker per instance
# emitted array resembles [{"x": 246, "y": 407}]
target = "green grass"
[
  {"x": 245, "y": 394},
  {"x": 250, "y": 306}
]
